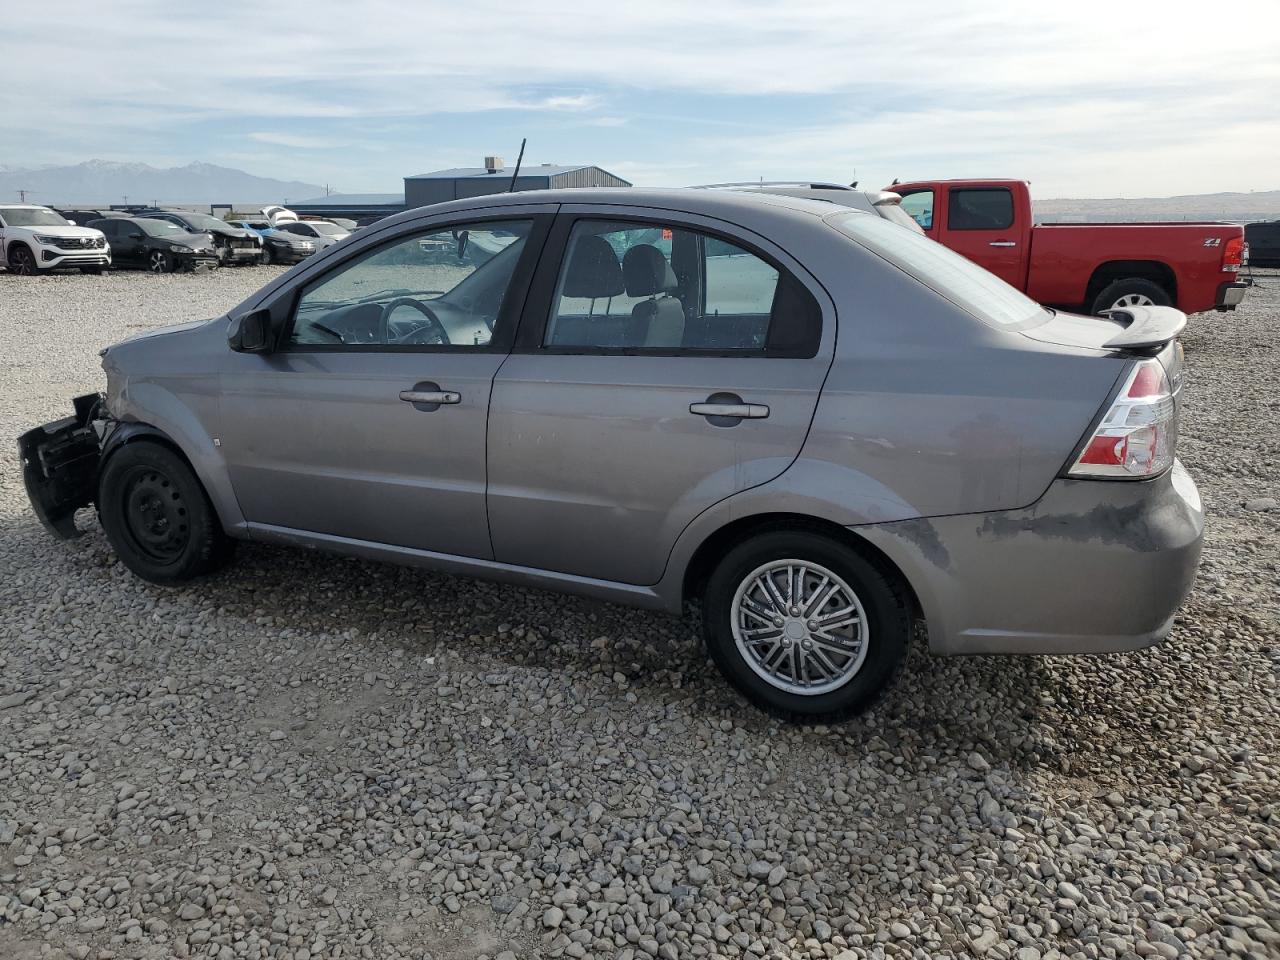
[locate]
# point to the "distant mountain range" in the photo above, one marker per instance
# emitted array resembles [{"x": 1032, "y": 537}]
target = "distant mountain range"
[
  {"x": 105, "y": 182},
  {"x": 1261, "y": 205}
]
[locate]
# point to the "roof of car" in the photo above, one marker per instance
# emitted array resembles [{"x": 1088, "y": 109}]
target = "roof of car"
[{"x": 711, "y": 202}]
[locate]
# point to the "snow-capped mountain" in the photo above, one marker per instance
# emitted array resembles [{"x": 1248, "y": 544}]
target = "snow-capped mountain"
[{"x": 107, "y": 181}]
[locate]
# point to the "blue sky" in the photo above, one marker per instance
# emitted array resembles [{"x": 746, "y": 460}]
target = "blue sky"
[{"x": 1083, "y": 99}]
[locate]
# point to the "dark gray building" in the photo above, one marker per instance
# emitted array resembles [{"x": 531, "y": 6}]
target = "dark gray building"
[{"x": 493, "y": 177}]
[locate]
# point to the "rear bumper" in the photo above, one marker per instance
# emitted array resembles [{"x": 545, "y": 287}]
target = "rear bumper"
[
  {"x": 1093, "y": 566},
  {"x": 60, "y": 467},
  {"x": 1230, "y": 294}
]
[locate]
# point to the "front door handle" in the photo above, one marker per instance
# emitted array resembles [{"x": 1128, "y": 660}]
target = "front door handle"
[
  {"x": 430, "y": 396},
  {"x": 1003, "y": 243},
  {"x": 426, "y": 395}
]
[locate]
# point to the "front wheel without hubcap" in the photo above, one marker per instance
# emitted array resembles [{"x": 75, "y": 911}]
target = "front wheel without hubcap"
[
  {"x": 804, "y": 626},
  {"x": 157, "y": 516}
]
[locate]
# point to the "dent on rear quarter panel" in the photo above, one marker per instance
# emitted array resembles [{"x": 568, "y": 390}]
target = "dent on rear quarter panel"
[{"x": 947, "y": 413}]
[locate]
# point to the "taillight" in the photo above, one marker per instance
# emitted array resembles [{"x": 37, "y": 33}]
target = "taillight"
[
  {"x": 1136, "y": 437},
  {"x": 1233, "y": 254}
]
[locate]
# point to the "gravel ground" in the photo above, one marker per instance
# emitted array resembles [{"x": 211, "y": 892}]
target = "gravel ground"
[{"x": 316, "y": 757}]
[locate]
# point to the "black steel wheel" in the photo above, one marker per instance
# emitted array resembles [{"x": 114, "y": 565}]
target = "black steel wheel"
[{"x": 157, "y": 516}]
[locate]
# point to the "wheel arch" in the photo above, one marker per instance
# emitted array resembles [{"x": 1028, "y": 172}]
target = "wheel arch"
[
  {"x": 1108, "y": 272},
  {"x": 714, "y": 546}
]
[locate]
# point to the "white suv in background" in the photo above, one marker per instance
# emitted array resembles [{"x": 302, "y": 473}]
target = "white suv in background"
[{"x": 34, "y": 238}]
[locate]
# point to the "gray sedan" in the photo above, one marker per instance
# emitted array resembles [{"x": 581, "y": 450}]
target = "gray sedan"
[{"x": 819, "y": 424}]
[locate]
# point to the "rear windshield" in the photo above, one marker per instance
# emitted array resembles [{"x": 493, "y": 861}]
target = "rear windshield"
[{"x": 960, "y": 280}]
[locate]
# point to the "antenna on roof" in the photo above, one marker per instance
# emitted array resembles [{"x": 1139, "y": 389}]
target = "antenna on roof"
[{"x": 516, "y": 172}]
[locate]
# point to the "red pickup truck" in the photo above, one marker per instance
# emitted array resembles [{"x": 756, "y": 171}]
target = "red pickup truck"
[{"x": 1081, "y": 266}]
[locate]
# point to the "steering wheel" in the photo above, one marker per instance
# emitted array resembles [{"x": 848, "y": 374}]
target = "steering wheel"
[{"x": 433, "y": 331}]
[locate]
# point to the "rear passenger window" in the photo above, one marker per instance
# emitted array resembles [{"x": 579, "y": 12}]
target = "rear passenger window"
[
  {"x": 630, "y": 287},
  {"x": 987, "y": 208}
]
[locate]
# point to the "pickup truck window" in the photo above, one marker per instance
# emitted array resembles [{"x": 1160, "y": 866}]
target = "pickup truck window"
[
  {"x": 950, "y": 275},
  {"x": 985, "y": 208},
  {"x": 919, "y": 206}
]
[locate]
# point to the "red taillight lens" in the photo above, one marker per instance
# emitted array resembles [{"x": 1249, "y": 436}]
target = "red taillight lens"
[
  {"x": 1136, "y": 437},
  {"x": 1233, "y": 254}
]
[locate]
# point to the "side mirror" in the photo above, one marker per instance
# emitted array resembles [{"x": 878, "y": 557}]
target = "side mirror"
[{"x": 250, "y": 332}]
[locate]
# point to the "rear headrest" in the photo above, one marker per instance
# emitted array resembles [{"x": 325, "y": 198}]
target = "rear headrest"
[
  {"x": 647, "y": 272},
  {"x": 594, "y": 270}
]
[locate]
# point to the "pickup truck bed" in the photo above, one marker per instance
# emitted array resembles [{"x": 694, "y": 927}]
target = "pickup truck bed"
[{"x": 1081, "y": 266}]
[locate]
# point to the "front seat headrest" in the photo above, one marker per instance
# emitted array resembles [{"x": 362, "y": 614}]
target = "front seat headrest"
[
  {"x": 647, "y": 272},
  {"x": 593, "y": 270}
]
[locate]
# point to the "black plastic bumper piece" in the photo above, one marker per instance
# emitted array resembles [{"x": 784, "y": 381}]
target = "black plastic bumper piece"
[{"x": 60, "y": 467}]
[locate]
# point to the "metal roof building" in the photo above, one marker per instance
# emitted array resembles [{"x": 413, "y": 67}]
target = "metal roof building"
[{"x": 459, "y": 182}]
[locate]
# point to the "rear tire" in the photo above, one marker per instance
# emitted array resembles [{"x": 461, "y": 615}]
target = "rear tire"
[
  {"x": 819, "y": 668},
  {"x": 1130, "y": 292},
  {"x": 158, "y": 517}
]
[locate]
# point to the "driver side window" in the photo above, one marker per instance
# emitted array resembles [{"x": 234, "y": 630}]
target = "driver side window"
[{"x": 442, "y": 289}]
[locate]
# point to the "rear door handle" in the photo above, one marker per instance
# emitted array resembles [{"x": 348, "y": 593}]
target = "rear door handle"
[
  {"x": 739, "y": 411},
  {"x": 1003, "y": 243}
]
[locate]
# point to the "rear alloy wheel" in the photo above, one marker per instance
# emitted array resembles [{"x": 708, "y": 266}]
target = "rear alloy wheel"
[
  {"x": 22, "y": 261},
  {"x": 157, "y": 516},
  {"x": 1131, "y": 292},
  {"x": 804, "y": 626},
  {"x": 159, "y": 261}
]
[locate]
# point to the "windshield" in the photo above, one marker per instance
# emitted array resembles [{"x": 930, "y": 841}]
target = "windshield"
[
  {"x": 328, "y": 229},
  {"x": 160, "y": 228},
  {"x": 31, "y": 217},
  {"x": 202, "y": 221},
  {"x": 961, "y": 281}
]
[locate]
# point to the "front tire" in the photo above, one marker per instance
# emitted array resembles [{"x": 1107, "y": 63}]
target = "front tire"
[
  {"x": 160, "y": 261},
  {"x": 158, "y": 517},
  {"x": 268, "y": 256},
  {"x": 22, "y": 261},
  {"x": 1131, "y": 292},
  {"x": 804, "y": 627}
]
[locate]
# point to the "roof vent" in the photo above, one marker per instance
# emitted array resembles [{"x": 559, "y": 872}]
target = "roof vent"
[{"x": 493, "y": 164}]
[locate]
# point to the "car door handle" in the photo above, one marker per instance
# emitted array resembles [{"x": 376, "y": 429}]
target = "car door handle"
[
  {"x": 1002, "y": 243},
  {"x": 430, "y": 396},
  {"x": 736, "y": 411}
]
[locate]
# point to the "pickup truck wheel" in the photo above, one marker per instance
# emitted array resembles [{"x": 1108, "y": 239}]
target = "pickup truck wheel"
[
  {"x": 21, "y": 261},
  {"x": 157, "y": 516},
  {"x": 1131, "y": 292},
  {"x": 804, "y": 627}
]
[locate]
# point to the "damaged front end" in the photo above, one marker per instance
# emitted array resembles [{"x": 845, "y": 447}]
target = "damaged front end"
[{"x": 60, "y": 465}]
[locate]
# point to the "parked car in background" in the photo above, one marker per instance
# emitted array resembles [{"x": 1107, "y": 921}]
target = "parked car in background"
[
  {"x": 321, "y": 232},
  {"x": 83, "y": 217},
  {"x": 278, "y": 246},
  {"x": 35, "y": 239},
  {"x": 233, "y": 244},
  {"x": 883, "y": 203},
  {"x": 1081, "y": 266},
  {"x": 1264, "y": 242},
  {"x": 818, "y": 423},
  {"x": 156, "y": 245}
]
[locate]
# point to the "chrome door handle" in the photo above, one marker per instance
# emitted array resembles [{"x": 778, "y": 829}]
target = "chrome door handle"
[
  {"x": 1002, "y": 243},
  {"x": 738, "y": 411},
  {"x": 430, "y": 396}
]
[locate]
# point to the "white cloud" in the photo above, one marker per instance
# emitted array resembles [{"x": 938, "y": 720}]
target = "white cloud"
[
  {"x": 293, "y": 140},
  {"x": 1091, "y": 96}
]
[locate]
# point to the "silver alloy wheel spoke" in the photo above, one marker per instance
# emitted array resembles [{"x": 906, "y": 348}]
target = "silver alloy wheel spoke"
[{"x": 799, "y": 626}]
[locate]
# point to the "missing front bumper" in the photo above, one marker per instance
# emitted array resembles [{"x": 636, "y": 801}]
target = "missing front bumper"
[{"x": 60, "y": 467}]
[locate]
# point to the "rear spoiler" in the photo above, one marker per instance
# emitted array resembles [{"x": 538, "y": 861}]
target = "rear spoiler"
[{"x": 1146, "y": 328}]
